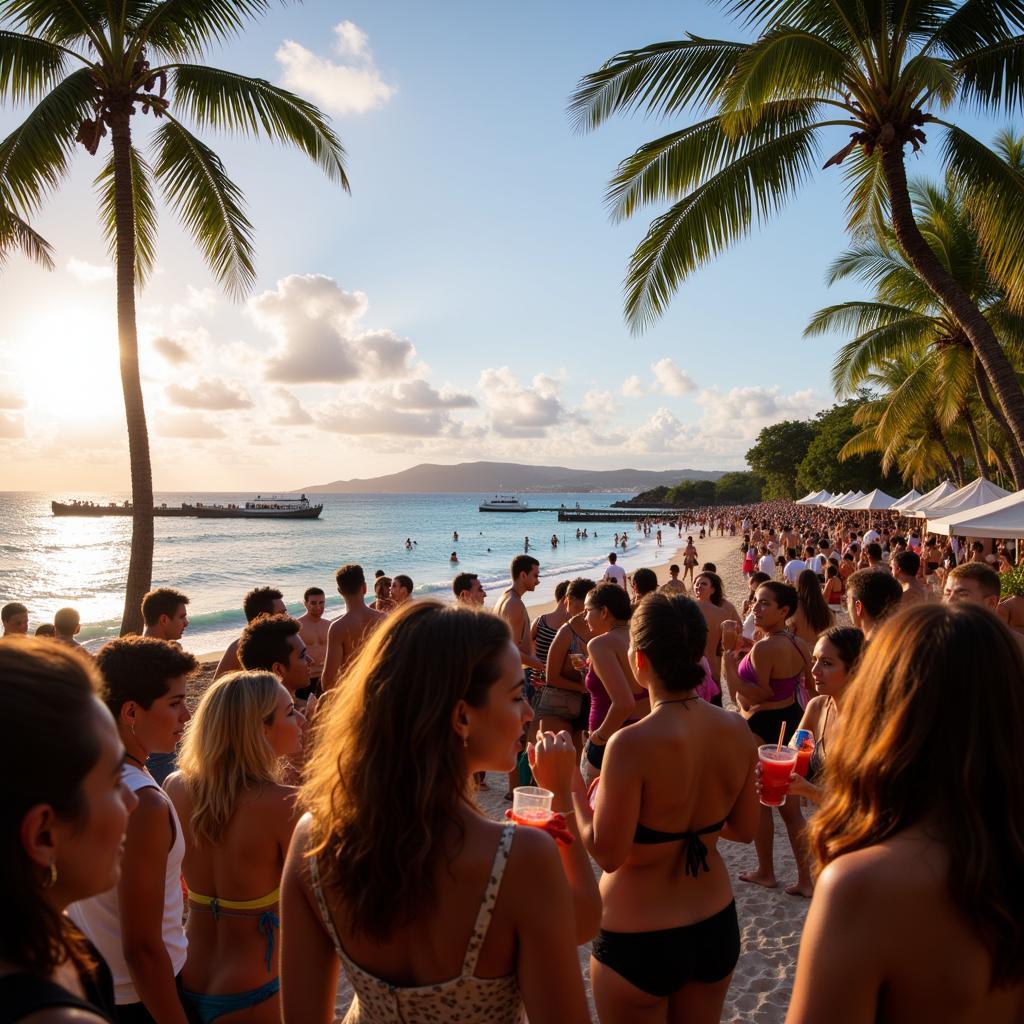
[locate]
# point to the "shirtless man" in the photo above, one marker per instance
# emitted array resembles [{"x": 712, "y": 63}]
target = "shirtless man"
[
  {"x": 349, "y": 631},
  {"x": 313, "y": 630},
  {"x": 260, "y": 601},
  {"x": 906, "y": 566},
  {"x": 525, "y": 572},
  {"x": 469, "y": 590},
  {"x": 1011, "y": 611},
  {"x": 165, "y": 614}
]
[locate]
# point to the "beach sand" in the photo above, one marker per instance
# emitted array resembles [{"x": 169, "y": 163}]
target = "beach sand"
[{"x": 770, "y": 921}]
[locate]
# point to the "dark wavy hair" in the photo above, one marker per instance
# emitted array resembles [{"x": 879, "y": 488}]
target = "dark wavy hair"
[
  {"x": 614, "y": 598},
  {"x": 388, "y": 773},
  {"x": 672, "y": 633},
  {"x": 717, "y": 588},
  {"x": 935, "y": 679},
  {"x": 848, "y": 642},
  {"x": 48, "y": 696},
  {"x": 812, "y": 603}
]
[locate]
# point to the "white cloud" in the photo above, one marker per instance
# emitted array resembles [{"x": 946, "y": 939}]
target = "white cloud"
[
  {"x": 315, "y": 322},
  {"x": 173, "y": 351},
  {"x": 670, "y": 379},
  {"x": 600, "y": 402},
  {"x": 11, "y": 400},
  {"x": 200, "y": 299},
  {"x": 187, "y": 426},
  {"x": 209, "y": 394},
  {"x": 90, "y": 273},
  {"x": 633, "y": 387},
  {"x": 292, "y": 414},
  {"x": 418, "y": 395},
  {"x": 741, "y": 412},
  {"x": 384, "y": 419},
  {"x": 518, "y": 410},
  {"x": 350, "y": 86},
  {"x": 11, "y": 426}
]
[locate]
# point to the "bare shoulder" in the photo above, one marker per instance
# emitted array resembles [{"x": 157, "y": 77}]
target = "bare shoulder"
[
  {"x": 886, "y": 872},
  {"x": 63, "y": 1015},
  {"x": 532, "y": 851}
]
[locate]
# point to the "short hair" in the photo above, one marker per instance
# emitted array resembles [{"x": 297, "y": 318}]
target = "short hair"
[
  {"x": 580, "y": 587},
  {"x": 560, "y": 588},
  {"x": 312, "y": 592},
  {"x": 784, "y": 593},
  {"x": 463, "y": 582},
  {"x": 709, "y": 567},
  {"x": 674, "y": 569},
  {"x": 645, "y": 581},
  {"x": 264, "y": 642},
  {"x": 984, "y": 575},
  {"x": 260, "y": 601},
  {"x": 140, "y": 669},
  {"x": 378, "y": 573},
  {"x": 11, "y": 609},
  {"x": 46, "y": 629},
  {"x": 350, "y": 578},
  {"x": 878, "y": 592},
  {"x": 873, "y": 550},
  {"x": 758, "y": 578},
  {"x": 66, "y": 621},
  {"x": 403, "y": 581},
  {"x": 907, "y": 562},
  {"x": 521, "y": 564},
  {"x": 162, "y": 601},
  {"x": 612, "y": 557}
]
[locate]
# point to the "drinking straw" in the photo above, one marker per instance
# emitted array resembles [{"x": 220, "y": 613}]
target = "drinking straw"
[{"x": 782, "y": 732}]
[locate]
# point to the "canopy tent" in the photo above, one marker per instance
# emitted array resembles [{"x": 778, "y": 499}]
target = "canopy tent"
[
  {"x": 907, "y": 500},
  {"x": 1003, "y": 517},
  {"x": 872, "y": 502},
  {"x": 848, "y": 502},
  {"x": 814, "y": 499},
  {"x": 837, "y": 499},
  {"x": 807, "y": 498},
  {"x": 935, "y": 495},
  {"x": 981, "y": 492}
]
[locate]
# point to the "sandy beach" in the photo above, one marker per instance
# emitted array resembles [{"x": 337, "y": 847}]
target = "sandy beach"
[{"x": 771, "y": 921}]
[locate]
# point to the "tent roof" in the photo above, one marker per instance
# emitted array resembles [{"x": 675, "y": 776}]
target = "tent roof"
[
  {"x": 1003, "y": 517},
  {"x": 849, "y": 500},
  {"x": 874, "y": 501},
  {"x": 837, "y": 498},
  {"x": 908, "y": 499},
  {"x": 807, "y": 498},
  {"x": 815, "y": 499},
  {"x": 980, "y": 492},
  {"x": 936, "y": 494}
]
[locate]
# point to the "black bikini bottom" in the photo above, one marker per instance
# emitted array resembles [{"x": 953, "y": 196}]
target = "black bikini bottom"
[
  {"x": 766, "y": 724},
  {"x": 662, "y": 962}
]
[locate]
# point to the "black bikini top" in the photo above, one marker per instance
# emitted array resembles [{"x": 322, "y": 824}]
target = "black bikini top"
[{"x": 696, "y": 850}]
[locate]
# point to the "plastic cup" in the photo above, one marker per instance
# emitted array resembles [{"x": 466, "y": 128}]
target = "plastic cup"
[
  {"x": 776, "y": 767},
  {"x": 579, "y": 661},
  {"x": 728, "y": 635},
  {"x": 531, "y": 805},
  {"x": 803, "y": 743}
]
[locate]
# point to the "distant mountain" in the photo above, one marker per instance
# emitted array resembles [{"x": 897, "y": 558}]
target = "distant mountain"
[{"x": 490, "y": 477}]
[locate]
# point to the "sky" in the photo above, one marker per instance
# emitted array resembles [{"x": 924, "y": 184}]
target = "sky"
[{"x": 463, "y": 303}]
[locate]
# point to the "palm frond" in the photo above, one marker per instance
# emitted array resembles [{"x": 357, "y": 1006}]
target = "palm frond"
[
  {"x": 143, "y": 205},
  {"x": 669, "y": 167},
  {"x": 661, "y": 79},
  {"x": 711, "y": 218},
  {"x": 992, "y": 78},
  {"x": 976, "y": 24},
  {"x": 208, "y": 202},
  {"x": 18, "y": 234},
  {"x": 29, "y": 67},
  {"x": 185, "y": 29},
  {"x": 64, "y": 22},
  {"x": 867, "y": 194},
  {"x": 995, "y": 206},
  {"x": 860, "y": 316},
  {"x": 230, "y": 102},
  {"x": 34, "y": 157},
  {"x": 869, "y": 260},
  {"x": 925, "y": 75},
  {"x": 857, "y": 361}
]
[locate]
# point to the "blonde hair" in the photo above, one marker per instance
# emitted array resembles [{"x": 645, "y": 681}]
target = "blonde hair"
[
  {"x": 225, "y": 750},
  {"x": 387, "y": 775}
]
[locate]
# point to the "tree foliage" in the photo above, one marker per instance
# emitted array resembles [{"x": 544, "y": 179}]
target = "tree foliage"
[{"x": 777, "y": 453}]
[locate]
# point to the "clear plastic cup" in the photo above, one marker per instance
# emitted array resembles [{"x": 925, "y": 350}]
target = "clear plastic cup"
[
  {"x": 776, "y": 767},
  {"x": 531, "y": 805},
  {"x": 729, "y": 635}
]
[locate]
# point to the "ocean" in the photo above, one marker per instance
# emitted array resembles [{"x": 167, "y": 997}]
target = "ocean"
[{"x": 48, "y": 562}]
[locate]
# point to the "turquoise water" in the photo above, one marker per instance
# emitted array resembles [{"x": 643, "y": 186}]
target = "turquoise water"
[{"x": 48, "y": 562}]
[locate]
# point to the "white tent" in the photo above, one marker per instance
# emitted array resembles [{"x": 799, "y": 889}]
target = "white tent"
[
  {"x": 1003, "y": 517},
  {"x": 981, "y": 492},
  {"x": 907, "y": 500},
  {"x": 872, "y": 502},
  {"x": 807, "y": 498},
  {"x": 814, "y": 499},
  {"x": 837, "y": 499},
  {"x": 848, "y": 502},
  {"x": 935, "y": 495}
]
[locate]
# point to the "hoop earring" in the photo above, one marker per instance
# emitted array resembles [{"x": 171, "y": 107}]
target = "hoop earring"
[
  {"x": 465, "y": 742},
  {"x": 51, "y": 879}
]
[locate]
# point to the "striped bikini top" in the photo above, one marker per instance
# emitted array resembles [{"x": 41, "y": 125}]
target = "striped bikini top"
[{"x": 464, "y": 999}]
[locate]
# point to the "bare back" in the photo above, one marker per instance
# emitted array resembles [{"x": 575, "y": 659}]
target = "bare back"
[
  {"x": 714, "y": 617},
  {"x": 345, "y": 637}
]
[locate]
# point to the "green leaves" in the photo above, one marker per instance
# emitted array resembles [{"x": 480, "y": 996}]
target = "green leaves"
[
  {"x": 208, "y": 203},
  {"x": 65, "y": 22},
  {"x": 185, "y": 29},
  {"x": 993, "y": 76},
  {"x": 28, "y": 66},
  {"x": 17, "y": 234},
  {"x": 144, "y": 207},
  {"x": 252, "y": 106}
]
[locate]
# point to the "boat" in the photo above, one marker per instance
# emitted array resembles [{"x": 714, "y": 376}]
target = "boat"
[
  {"x": 271, "y": 507},
  {"x": 504, "y": 503}
]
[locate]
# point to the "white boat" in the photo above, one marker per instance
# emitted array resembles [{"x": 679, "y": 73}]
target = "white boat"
[{"x": 504, "y": 503}]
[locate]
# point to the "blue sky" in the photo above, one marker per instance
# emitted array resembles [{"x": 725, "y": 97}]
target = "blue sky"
[{"x": 490, "y": 311}]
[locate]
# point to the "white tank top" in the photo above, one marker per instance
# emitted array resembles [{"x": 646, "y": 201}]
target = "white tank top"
[{"x": 99, "y": 917}]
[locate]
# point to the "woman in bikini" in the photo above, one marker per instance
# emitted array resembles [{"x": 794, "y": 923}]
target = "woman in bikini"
[
  {"x": 616, "y": 699},
  {"x": 564, "y": 702},
  {"x": 813, "y": 615},
  {"x": 833, "y": 588},
  {"x": 918, "y": 841},
  {"x": 765, "y": 684},
  {"x": 690, "y": 559},
  {"x": 239, "y": 821},
  {"x": 436, "y": 913},
  {"x": 63, "y": 816},
  {"x": 672, "y": 785}
]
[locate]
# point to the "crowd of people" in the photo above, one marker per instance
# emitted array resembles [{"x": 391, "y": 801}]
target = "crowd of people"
[{"x": 177, "y": 860}]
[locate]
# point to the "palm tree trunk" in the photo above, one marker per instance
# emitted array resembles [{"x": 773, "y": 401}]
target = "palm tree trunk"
[
  {"x": 140, "y": 564},
  {"x": 1013, "y": 451},
  {"x": 945, "y": 288},
  {"x": 953, "y": 467},
  {"x": 972, "y": 431}
]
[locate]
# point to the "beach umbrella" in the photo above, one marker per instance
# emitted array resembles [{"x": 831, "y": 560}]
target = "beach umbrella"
[
  {"x": 871, "y": 502},
  {"x": 907, "y": 501},
  {"x": 1003, "y": 517},
  {"x": 975, "y": 494},
  {"x": 936, "y": 494}
]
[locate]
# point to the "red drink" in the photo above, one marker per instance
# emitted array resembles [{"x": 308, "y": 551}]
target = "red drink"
[
  {"x": 536, "y": 817},
  {"x": 803, "y": 760},
  {"x": 776, "y": 767}
]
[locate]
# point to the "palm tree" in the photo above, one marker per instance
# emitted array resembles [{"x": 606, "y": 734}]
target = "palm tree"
[
  {"x": 91, "y": 66},
  {"x": 17, "y": 234},
  {"x": 905, "y": 316},
  {"x": 880, "y": 69}
]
